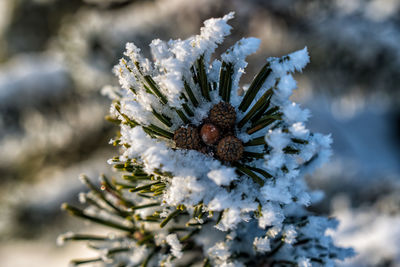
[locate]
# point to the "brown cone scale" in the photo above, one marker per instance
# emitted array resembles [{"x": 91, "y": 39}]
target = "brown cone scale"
[
  {"x": 209, "y": 133},
  {"x": 223, "y": 115},
  {"x": 187, "y": 138},
  {"x": 230, "y": 149}
]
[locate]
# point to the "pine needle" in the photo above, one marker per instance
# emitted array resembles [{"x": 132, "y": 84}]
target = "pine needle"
[
  {"x": 255, "y": 86},
  {"x": 225, "y": 81},
  {"x": 202, "y": 76}
]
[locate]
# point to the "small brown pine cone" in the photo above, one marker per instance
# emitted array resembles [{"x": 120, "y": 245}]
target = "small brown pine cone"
[
  {"x": 209, "y": 133},
  {"x": 187, "y": 138},
  {"x": 230, "y": 148},
  {"x": 223, "y": 115}
]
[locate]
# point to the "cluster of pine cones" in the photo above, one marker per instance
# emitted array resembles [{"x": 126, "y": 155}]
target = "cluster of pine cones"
[{"x": 215, "y": 136}]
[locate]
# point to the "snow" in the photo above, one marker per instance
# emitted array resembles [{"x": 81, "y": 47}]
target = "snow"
[
  {"x": 222, "y": 176},
  {"x": 173, "y": 241},
  {"x": 262, "y": 244},
  {"x": 289, "y": 234},
  {"x": 220, "y": 251},
  {"x": 304, "y": 262},
  {"x": 295, "y": 114}
]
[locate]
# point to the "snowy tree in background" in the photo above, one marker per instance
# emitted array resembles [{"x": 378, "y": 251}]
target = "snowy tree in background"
[{"x": 212, "y": 172}]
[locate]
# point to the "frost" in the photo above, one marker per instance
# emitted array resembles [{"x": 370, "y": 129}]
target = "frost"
[
  {"x": 220, "y": 251},
  {"x": 294, "y": 113},
  {"x": 229, "y": 220},
  {"x": 304, "y": 262},
  {"x": 290, "y": 234},
  {"x": 262, "y": 244},
  {"x": 173, "y": 241},
  {"x": 299, "y": 130},
  {"x": 223, "y": 176},
  {"x": 271, "y": 215}
]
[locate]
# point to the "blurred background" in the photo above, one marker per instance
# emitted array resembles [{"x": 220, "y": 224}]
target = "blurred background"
[{"x": 55, "y": 55}]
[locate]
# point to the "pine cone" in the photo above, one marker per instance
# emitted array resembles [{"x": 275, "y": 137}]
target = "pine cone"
[
  {"x": 223, "y": 115},
  {"x": 187, "y": 138},
  {"x": 209, "y": 133},
  {"x": 230, "y": 148}
]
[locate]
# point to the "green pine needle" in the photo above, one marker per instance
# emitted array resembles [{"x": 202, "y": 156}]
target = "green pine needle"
[
  {"x": 256, "y": 141},
  {"x": 263, "y": 122},
  {"x": 148, "y": 258},
  {"x": 202, "y": 78},
  {"x": 182, "y": 116},
  {"x": 255, "y": 86},
  {"x": 114, "y": 251},
  {"x": 143, "y": 187},
  {"x": 261, "y": 171},
  {"x": 84, "y": 237},
  {"x": 159, "y": 131},
  {"x": 77, "y": 262},
  {"x": 188, "y": 236},
  {"x": 188, "y": 110},
  {"x": 146, "y": 206},
  {"x": 79, "y": 213},
  {"x": 170, "y": 217},
  {"x": 245, "y": 170},
  {"x": 100, "y": 194},
  {"x": 112, "y": 190},
  {"x": 154, "y": 88},
  {"x": 162, "y": 118},
  {"x": 128, "y": 120},
  {"x": 261, "y": 111},
  {"x": 299, "y": 141},
  {"x": 260, "y": 104},
  {"x": 190, "y": 94},
  {"x": 225, "y": 81},
  {"x": 291, "y": 150},
  {"x": 135, "y": 178},
  {"x": 253, "y": 155},
  {"x": 185, "y": 106}
]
